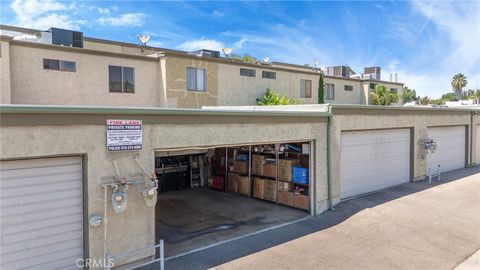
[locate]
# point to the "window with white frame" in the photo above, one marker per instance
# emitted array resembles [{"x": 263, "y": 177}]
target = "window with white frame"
[
  {"x": 60, "y": 65},
  {"x": 305, "y": 88},
  {"x": 196, "y": 79},
  {"x": 329, "y": 91}
]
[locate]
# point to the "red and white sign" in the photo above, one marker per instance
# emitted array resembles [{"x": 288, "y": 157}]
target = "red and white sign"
[{"x": 124, "y": 135}]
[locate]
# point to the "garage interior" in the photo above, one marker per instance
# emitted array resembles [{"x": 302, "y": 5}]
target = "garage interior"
[{"x": 213, "y": 194}]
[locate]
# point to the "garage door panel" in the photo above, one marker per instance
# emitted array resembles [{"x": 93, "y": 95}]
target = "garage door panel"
[
  {"x": 372, "y": 160},
  {"x": 41, "y": 218},
  {"x": 478, "y": 145},
  {"x": 450, "y": 153}
]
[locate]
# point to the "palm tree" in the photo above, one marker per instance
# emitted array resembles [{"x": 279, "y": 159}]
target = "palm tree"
[
  {"x": 458, "y": 82},
  {"x": 384, "y": 96}
]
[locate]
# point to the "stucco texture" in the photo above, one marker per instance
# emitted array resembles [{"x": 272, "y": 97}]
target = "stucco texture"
[{"x": 134, "y": 228}]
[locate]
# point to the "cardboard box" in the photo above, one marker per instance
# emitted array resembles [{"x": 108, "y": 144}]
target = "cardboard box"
[
  {"x": 305, "y": 148},
  {"x": 270, "y": 191},
  {"x": 285, "y": 198},
  {"x": 233, "y": 182},
  {"x": 257, "y": 164},
  {"x": 285, "y": 169},
  {"x": 285, "y": 186},
  {"x": 258, "y": 187},
  {"x": 269, "y": 170},
  {"x": 301, "y": 201},
  {"x": 243, "y": 185},
  {"x": 240, "y": 166}
]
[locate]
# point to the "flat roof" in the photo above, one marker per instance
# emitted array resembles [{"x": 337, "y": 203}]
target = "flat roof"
[
  {"x": 70, "y": 109},
  {"x": 403, "y": 108}
]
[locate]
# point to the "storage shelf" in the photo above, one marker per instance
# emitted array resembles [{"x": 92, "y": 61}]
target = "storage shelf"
[{"x": 264, "y": 176}]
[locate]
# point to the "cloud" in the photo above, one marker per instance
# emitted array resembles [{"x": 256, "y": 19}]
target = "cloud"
[
  {"x": 218, "y": 14},
  {"x": 127, "y": 19},
  {"x": 199, "y": 44},
  {"x": 43, "y": 14},
  {"x": 451, "y": 47}
]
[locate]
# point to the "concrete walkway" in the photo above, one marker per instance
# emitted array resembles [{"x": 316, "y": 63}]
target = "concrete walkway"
[{"x": 411, "y": 226}]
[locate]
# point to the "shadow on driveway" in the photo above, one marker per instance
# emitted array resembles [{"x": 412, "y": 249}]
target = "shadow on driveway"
[{"x": 242, "y": 247}]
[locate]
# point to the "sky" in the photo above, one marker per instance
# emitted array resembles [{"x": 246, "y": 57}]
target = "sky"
[{"x": 425, "y": 42}]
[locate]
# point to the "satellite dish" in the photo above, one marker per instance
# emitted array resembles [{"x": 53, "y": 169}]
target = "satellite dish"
[
  {"x": 227, "y": 51},
  {"x": 143, "y": 39},
  {"x": 266, "y": 60}
]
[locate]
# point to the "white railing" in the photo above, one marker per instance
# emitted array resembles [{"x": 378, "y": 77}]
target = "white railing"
[{"x": 434, "y": 174}]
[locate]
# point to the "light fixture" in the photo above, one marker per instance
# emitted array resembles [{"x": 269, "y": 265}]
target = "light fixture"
[{"x": 227, "y": 51}]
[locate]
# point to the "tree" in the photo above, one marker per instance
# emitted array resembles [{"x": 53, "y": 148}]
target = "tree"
[
  {"x": 321, "y": 90},
  {"x": 450, "y": 97},
  {"x": 245, "y": 58},
  {"x": 424, "y": 100},
  {"x": 384, "y": 96},
  {"x": 274, "y": 98},
  {"x": 458, "y": 82},
  {"x": 409, "y": 95}
]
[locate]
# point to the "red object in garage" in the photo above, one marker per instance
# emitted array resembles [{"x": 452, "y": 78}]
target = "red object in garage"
[{"x": 218, "y": 183}]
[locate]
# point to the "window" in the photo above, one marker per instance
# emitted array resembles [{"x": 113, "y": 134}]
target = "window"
[
  {"x": 269, "y": 75},
  {"x": 59, "y": 65},
  {"x": 372, "y": 86},
  {"x": 196, "y": 79},
  {"x": 348, "y": 88},
  {"x": 247, "y": 72},
  {"x": 394, "y": 90},
  {"x": 305, "y": 88},
  {"x": 121, "y": 79},
  {"x": 329, "y": 91}
]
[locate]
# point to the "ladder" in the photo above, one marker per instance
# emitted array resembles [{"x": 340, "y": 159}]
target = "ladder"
[{"x": 195, "y": 172}]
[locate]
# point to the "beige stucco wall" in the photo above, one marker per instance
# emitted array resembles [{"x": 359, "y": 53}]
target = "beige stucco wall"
[
  {"x": 367, "y": 119},
  {"x": 135, "y": 228},
  {"x": 177, "y": 95},
  {"x": 242, "y": 90},
  {"x": 89, "y": 85},
  {"x": 342, "y": 96},
  {"x": 5, "y": 89}
]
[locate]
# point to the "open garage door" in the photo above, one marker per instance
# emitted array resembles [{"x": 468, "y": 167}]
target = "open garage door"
[
  {"x": 208, "y": 195},
  {"x": 450, "y": 153},
  {"x": 41, "y": 213},
  {"x": 373, "y": 160}
]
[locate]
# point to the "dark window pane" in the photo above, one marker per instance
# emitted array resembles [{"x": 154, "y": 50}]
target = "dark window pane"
[
  {"x": 128, "y": 80},
  {"x": 115, "y": 78},
  {"x": 269, "y": 75},
  {"x": 247, "y": 72},
  {"x": 191, "y": 80},
  {"x": 51, "y": 64},
  {"x": 68, "y": 66}
]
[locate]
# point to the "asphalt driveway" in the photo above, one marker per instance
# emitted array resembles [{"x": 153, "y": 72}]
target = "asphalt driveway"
[{"x": 411, "y": 226}]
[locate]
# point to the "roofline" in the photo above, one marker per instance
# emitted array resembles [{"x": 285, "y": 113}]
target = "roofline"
[
  {"x": 401, "y": 108},
  {"x": 172, "y": 52},
  {"x": 60, "y": 109}
]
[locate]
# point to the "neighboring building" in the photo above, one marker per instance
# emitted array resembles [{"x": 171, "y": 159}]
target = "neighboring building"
[{"x": 64, "y": 67}]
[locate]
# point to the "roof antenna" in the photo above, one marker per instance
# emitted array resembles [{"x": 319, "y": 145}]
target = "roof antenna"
[{"x": 143, "y": 40}]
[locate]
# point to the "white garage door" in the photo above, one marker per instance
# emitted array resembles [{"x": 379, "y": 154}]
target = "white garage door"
[
  {"x": 478, "y": 145},
  {"x": 372, "y": 160},
  {"x": 41, "y": 213},
  {"x": 450, "y": 153}
]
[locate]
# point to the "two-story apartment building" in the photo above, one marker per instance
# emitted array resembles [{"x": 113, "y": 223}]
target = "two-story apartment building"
[{"x": 39, "y": 69}]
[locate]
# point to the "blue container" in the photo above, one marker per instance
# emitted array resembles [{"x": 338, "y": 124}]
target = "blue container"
[{"x": 300, "y": 175}]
